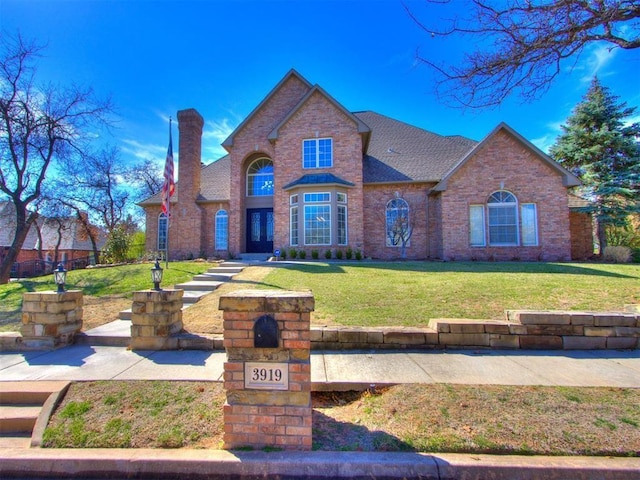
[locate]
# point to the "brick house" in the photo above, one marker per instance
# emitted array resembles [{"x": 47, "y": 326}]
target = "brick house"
[
  {"x": 304, "y": 173},
  {"x": 48, "y": 242}
]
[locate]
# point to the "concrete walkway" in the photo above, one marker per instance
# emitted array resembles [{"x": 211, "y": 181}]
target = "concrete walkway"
[
  {"x": 329, "y": 371},
  {"x": 340, "y": 370}
]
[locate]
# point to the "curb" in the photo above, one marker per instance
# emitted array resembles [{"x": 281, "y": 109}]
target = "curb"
[{"x": 226, "y": 465}]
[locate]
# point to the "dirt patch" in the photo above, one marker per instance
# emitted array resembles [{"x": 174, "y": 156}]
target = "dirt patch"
[
  {"x": 424, "y": 418},
  {"x": 97, "y": 311}
]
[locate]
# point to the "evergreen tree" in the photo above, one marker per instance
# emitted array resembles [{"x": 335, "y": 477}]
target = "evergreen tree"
[{"x": 604, "y": 152}]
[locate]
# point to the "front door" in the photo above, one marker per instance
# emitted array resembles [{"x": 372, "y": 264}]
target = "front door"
[{"x": 259, "y": 230}]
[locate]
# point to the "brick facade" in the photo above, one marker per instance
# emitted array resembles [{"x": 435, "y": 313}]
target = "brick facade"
[
  {"x": 504, "y": 163},
  {"x": 439, "y": 209},
  {"x": 263, "y": 417}
]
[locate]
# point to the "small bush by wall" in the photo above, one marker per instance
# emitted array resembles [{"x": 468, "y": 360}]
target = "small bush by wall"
[{"x": 617, "y": 254}]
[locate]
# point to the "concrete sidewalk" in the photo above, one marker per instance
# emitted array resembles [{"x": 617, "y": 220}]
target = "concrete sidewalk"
[
  {"x": 340, "y": 370},
  {"x": 329, "y": 371}
]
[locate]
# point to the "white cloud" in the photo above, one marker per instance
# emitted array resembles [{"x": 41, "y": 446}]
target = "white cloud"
[
  {"x": 214, "y": 133},
  {"x": 144, "y": 151},
  {"x": 545, "y": 141},
  {"x": 598, "y": 59}
]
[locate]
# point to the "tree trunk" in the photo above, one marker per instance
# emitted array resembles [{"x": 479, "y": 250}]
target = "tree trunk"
[{"x": 23, "y": 224}]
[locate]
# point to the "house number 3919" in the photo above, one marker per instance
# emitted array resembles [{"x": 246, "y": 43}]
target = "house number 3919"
[{"x": 266, "y": 376}]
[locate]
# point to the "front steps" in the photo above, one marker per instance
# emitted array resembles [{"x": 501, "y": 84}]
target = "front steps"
[
  {"x": 25, "y": 408},
  {"x": 201, "y": 285}
]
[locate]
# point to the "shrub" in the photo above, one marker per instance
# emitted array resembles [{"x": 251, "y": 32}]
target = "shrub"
[
  {"x": 358, "y": 255},
  {"x": 302, "y": 254},
  {"x": 315, "y": 254},
  {"x": 283, "y": 254},
  {"x": 117, "y": 245},
  {"x": 293, "y": 253},
  {"x": 617, "y": 254},
  {"x": 339, "y": 254},
  {"x": 328, "y": 254},
  {"x": 349, "y": 253}
]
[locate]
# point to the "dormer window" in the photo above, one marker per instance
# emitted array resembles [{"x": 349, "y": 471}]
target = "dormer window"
[{"x": 317, "y": 153}]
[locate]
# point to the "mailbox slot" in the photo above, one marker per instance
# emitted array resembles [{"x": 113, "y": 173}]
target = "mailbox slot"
[{"x": 265, "y": 332}]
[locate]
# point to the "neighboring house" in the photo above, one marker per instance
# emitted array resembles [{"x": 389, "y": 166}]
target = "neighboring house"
[
  {"x": 305, "y": 173},
  {"x": 38, "y": 253}
]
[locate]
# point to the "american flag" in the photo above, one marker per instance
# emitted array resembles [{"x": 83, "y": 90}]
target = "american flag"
[{"x": 169, "y": 187}]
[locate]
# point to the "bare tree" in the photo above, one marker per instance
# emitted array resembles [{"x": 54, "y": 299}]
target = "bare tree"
[
  {"x": 96, "y": 185},
  {"x": 521, "y": 44},
  {"x": 38, "y": 127},
  {"x": 146, "y": 176}
]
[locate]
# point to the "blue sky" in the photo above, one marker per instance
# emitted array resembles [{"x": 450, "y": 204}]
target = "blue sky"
[{"x": 222, "y": 57}]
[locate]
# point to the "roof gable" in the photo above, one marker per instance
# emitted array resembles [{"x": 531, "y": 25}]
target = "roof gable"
[
  {"x": 291, "y": 74},
  {"x": 362, "y": 127},
  {"x": 568, "y": 179}
]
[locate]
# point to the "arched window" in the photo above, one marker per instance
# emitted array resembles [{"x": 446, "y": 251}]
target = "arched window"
[
  {"x": 260, "y": 178},
  {"x": 162, "y": 232},
  {"x": 503, "y": 218},
  {"x": 398, "y": 223},
  {"x": 222, "y": 230}
]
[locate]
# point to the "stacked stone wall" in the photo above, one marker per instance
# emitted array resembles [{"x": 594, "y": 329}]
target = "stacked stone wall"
[{"x": 156, "y": 318}]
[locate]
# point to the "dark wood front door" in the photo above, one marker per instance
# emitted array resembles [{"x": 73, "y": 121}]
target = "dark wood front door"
[{"x": 260, "y": 230}]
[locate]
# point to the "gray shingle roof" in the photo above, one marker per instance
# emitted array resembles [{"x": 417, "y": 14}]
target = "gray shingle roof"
[
  {"x": 318, "y": 179},
  {"x": 399, "y": 152},
  {"x": 215, "y": 184}
]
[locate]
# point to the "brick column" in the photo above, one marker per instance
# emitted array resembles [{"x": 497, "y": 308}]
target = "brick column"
[
  {"x": 50, "y": 319},
  {"x": 155, "y": 316},
  {"x": 268, "y": 388}
]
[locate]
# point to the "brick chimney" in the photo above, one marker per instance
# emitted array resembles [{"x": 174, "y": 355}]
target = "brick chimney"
[
  {"x": 190, "y": 124},
  {"x": 185, "y": 228}
]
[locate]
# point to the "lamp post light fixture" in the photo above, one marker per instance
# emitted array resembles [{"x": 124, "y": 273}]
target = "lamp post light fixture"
[
  {"x": 60, "y": 277},
  {"x": 156, "y": 276}
]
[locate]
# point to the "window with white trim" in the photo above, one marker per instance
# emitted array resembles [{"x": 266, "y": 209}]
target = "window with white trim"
[
  {"x": 502, "y": 207},
  {"x": 293, "y": 225},
  {"x": 529, "y": 221},
  {"x": 477, "y": 237},
  {"x": 260, "y": 178},
  {"x": 398, "y": 225},
  {"x": 162, "y": 232},
  {"x": 317, "y": 218},
  {"x": 317, "y": 153},
  {"x": 341, "y": 199},
  {"x": 505, "y": 223},
  {"x": 222, "y": 230}
]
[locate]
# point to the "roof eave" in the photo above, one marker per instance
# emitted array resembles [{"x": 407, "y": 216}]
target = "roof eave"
[
  {"x": 363, "y": 129},
  {"x": 228, "y": 143},
  {"x": 568, "y": 178}
]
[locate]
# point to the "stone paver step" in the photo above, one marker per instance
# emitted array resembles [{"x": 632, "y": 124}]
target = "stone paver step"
[
  {"x": 214, "y": 276},
  {"x": 15, "y": 440},
  {"x": 29, "y": 392},
  {"x": 207, "y": 286},
  {"x": 18, "y": 418}
]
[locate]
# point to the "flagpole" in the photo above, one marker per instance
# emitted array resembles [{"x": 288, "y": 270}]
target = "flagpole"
[{"x": 166, "y": 255}]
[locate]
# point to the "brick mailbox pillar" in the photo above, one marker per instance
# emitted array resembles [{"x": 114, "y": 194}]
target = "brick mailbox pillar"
[
  {"x": 156, "y": 315},
  {"x": 50, "y": 319},
  {"x": 267, "y": 376}
]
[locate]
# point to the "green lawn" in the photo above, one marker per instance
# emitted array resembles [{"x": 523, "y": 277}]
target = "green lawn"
[
  {"x": 98, "y": 282},
  {"x": 410, "y": 293},
  {"x": 388, "y": 293}
]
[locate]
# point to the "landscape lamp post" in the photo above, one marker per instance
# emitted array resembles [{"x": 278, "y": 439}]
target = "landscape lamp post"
[
  {"x": 156, "y": 276},
  {"x": 60, "y": 277}
]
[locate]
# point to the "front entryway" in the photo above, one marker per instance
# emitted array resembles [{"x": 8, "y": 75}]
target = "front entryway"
[{"x": 260, "y": 230}]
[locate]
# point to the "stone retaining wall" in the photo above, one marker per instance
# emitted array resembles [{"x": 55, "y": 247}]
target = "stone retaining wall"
[{"x": 523, "y": 329}]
